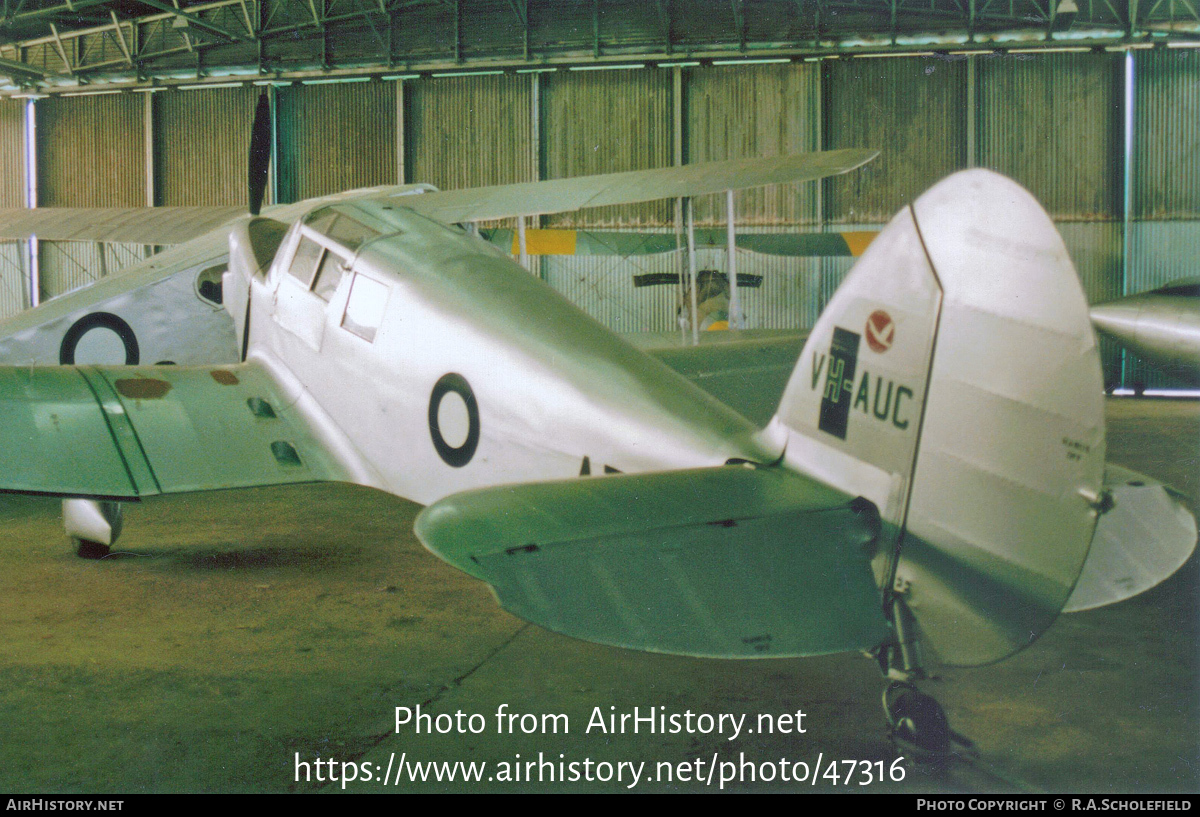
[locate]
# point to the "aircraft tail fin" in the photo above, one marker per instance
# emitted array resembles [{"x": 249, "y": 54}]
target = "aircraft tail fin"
[{"x": 954, "y": 381}]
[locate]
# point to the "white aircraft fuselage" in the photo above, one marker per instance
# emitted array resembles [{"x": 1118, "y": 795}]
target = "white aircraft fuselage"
[{"x": 531, "y": 388}]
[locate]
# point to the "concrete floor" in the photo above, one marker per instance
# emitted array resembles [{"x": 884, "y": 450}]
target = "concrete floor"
[{"x": 236, "y": 629}]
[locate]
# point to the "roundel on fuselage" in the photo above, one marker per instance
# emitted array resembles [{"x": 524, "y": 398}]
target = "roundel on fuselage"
[
  {"x": 454, "y": 420},
  {"x": 95, "y": 338}
]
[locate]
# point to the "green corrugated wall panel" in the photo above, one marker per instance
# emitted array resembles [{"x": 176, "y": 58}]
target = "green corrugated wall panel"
[
  {"x": 1166, "y": 172},
  {"x": 201, "y": 143},
  {"x": 1053, "y": 122},
  {"x": 335, "y": 137},
  {"x": 912, "y": 110},
  {"x": 733, "y": 112},
  {"x": 604, "y": 122}
]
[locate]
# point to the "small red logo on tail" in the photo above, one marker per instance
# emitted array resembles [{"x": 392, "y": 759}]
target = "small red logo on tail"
[{"x": 881, "y": 331}]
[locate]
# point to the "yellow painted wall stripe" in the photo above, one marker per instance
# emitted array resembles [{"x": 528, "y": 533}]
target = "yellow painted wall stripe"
[
  {"x": 546, "y": 242},
  {"x": 857, "y": 241}
]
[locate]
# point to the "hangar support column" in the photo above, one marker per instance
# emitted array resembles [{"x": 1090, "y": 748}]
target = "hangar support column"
[{"x": 31, "y": 246}]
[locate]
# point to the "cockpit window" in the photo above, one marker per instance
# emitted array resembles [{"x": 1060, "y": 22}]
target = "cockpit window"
[
  {"x": 305, "y": 261},
  {"x": 329, "y": 275},
  {"x": 320, "y": 220},
  {"x": 350, "y": 233},
  {"x": 364, "y": 307},
  {"x": 340, "y": 228}
]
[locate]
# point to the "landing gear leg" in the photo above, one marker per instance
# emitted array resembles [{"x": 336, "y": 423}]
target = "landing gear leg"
[
  {"x": 92, "y": 525},
  {"x": 917, "y": 724}
]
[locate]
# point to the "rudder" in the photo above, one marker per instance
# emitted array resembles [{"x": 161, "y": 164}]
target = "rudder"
[{"x": 954, "y": 381}]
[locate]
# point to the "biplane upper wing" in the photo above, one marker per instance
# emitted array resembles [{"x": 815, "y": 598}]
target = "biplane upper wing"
[
  {"x": 176, "y": 225},
  {"x": 128, "y": 432},
  {"x": 561, "y": 195},
  {"x": 555, "y": 241},
  {"x": 132, "y": 225}
]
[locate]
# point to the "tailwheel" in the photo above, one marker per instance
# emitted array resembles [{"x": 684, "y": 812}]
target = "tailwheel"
[
  {"x": 917, "y": 724},
  {"x": 87, "y": 549},
  {"x": 919, "y": 728}
]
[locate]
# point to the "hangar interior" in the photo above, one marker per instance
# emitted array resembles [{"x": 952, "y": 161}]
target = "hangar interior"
[
  {"x": 1094, "y": 110},
  {"x": 236, "y": 628}
]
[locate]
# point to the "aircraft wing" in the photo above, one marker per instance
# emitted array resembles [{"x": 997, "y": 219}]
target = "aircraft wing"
[
  {"x": 131, "y": 225},
  {"x": 562, "y": 195},
  {"x": 725, "y": 562},
  {"x": 128, "y": 432},
  {"x": 626, "y": 243},
  {"x": 176, "y": 225}
]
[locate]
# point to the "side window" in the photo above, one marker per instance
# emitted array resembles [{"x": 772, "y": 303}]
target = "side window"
[
  {"x": 329, "y": 275},
  {"x": 304, "y": 262},
  {"x": 364, "y": 307}
]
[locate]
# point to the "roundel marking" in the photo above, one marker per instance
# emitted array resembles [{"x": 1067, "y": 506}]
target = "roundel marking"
[
  {"x": 98, "y": 320},
  {"x": 453, "y": 384},
  {"x": 881, "y": 331}
]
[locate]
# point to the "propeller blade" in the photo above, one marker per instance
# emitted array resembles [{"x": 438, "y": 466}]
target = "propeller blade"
[{"x": 260, "y": 153}]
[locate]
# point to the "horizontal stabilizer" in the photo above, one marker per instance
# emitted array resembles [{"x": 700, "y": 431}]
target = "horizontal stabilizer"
[
  {"x": 746, "y": 371},
  {"x": 128, "y": 432},
  {"x": 633, "y": 186},
  {"x": 723, "y": 562},
  {"x": 1144, "y": 538}
]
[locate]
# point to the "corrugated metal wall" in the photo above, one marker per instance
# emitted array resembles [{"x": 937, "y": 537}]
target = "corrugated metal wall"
[
  {"x": 733, "y": 112},
  {"x": 1166, "y": 173},
  {"x": 12, "y": 194},
  {"x": 869, "y": 103},
  {"x": 12, "y": 153},
  {"x": 1165, "y": 233},
  {"x": 91, "y": 152},
  {"x": 604, "y": 122},
  {"x": 335, "y": 137},
  {"x": 201, "y": 139},
  {"x": 469, "y": 131},
  {"x": 1052, "y": 121}
]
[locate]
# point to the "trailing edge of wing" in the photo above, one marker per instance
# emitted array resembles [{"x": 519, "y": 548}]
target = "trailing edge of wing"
[
  {"x": 725, "y": 562},
  {"x": 561, "y": 195},
  {"x": 128, "y": 432},
  {"x": 132, "y": 225}
]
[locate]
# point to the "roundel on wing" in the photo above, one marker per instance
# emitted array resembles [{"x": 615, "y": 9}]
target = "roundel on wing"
[
  {"x": 454, "y": 420},
  {"x": 104, "y": 322},
  {"x": 880, "y": 331}
]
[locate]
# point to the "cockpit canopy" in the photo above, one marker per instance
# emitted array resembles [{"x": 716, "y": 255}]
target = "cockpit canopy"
[{"x": 329, "y": 238}]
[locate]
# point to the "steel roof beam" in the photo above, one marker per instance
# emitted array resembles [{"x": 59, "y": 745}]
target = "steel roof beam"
[
  {"x": 26, "y": 70},
  {"x": 194, "y": 21}
]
